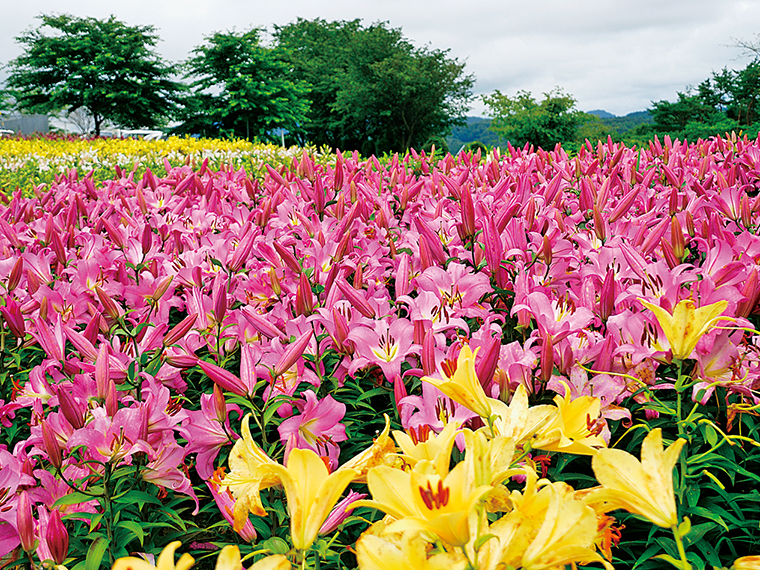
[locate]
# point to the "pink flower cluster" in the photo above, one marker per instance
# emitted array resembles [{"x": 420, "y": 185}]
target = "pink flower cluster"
[{"x": 538, "y": 258}]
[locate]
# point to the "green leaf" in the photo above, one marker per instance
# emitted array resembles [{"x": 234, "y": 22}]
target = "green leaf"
[
  {"x": 134, "y": 528},
  {"x": 74, "y": 498},
  {"x": 95, "y": 553},
  {"x": 674, "y": 561},
  {"x": 275, "y": 545},
  {"x": 137, "y": 497},
  {"x": 482, "y": 540}
]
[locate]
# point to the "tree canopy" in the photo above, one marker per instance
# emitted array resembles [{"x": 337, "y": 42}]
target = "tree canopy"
[
  {"x": 371, "y": 89},
  {"x": 242, "y": 89},
  {"x": 521, "y": 119},
  {"x": 104, "y": 66}
]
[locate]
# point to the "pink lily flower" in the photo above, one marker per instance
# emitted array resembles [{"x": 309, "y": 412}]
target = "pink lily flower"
[
  {"x": 317, "y": 427},
  {"x": 385, "y": 346},
  {"x": 206, "y": 435}
]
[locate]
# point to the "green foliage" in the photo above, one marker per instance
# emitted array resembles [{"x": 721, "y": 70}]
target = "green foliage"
[
  {"x": 521, "y": 119},
  {"x": 370, "y": 88},
  {"x": 106, "y": 67},
  {"x": 726, "y": 102},
  {"x": 241, "y": 90},
  {"x": 474, "y": 129}
]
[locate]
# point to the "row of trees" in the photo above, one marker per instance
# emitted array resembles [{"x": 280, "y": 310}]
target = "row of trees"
[
  {"x": 340, "y": 84},
  {"x": 727, "y": 101}
]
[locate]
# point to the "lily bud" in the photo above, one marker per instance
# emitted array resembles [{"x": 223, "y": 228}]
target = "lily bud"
[
  {"x": 468, "y": 211},
  {"x": 163, "y": 287},
  {"x": 220, "y": 405},
  {"x": 607, "y": 296},
  {"x": 15, "y": 275},
  {"x": 488, "y": 362},
  {"x": 292, "y": 354},
  {"x": 428, "y": 353},
  {"x": 11, "y": 312},
  {"x": 70, "y": 408},
  {"x": 50, "y": 442},
  {"x": 223, "y": 378},
  {"x": 677, "y": 239},
  {"x": 180, "y": 330},
  {"x": 304, "y": 296},
  {"x": 112, "y": 403},
  {"x": 547, "y": 359},
  {"x": 261, "y": 323},
  {"x": 599, "y": 228},
  {"x": 220, "y": 302},
  {"x": 357, "y": 299},
  {"x": 57, "y": 537},
  {"x": 546, "y": 250},
  {"x": 182, "y": 360},
  {"x": 146, "y": 240},
  {"x": 25, "y": 523},
  {"x": 109, "y": 307},
  {"x": 275, "y": 281}
]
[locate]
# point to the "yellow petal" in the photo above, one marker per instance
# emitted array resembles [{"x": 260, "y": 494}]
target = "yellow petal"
[
  {"x": 272, "y": 562},
  {"x": 644, "y": 488},
  {"x": 229, "y": 558}
]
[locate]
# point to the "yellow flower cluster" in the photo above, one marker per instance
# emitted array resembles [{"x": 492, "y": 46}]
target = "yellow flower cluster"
[
  {"x": 28, "y": 162},
  {"x": 465, "y": 517}
]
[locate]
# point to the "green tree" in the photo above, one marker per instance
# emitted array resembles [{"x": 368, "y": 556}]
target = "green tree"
[
  {"x": 370, "y": 88},
  {"x": 242, "y": 89},
  {"x": 673, "y": 117},
  {"x": 106, "y": 67},
  {"x": 521, "y": 119}
]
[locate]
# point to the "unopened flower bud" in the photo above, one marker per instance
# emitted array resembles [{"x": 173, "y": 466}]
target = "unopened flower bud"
[
  {"x": 163, "y": 287},
  {"x": 51, "y": 445},
  {"x": 294, "y": 351},
  {"x": 180, "y": 330},
  {"x": 15, "y": 275},
  {"x": 25, "y": 523},
  {"x": 57, "y": 537},
  {"x": 70, "y": 408}
]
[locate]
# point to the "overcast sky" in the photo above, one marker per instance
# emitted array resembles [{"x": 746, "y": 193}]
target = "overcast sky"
[{"x": 612, "y": 55}]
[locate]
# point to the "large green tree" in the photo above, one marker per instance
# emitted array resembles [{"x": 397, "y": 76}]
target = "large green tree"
[
  {"x": 371, "y": 89},
  {"x": 242, "y": 89},
  {"x": 106, "y": 67},
  {"x": 521, "y": 119}
]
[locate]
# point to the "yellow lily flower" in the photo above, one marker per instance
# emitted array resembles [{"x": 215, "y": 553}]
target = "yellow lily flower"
[
  {"x": 573, "y": 428},
  {"x": 246, "y": 479},
  {"x": 547, "y": 529},
  {"x": 229, "y": 559},
  {"x": 517, "y": 420},
  {"x": 311, "y": 491},
  {"x": 687, "y": 324},
  {"x": 463, "y": 386},
  {"x": 425, "y": 501},
  {"x": 165, "y": 560},
  {"x": 644, "y": 488},
  {"x": 491, "y": 460},
  {"x": 390, "y": 551},
  {"x": 747, "y": 563},
  {"x": 436, "y": 448},
  {"x": 374, "y": 455}
]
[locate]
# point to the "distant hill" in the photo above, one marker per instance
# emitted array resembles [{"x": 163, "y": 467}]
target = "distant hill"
[
  {"x": 621, "y": 125},
  {"x": 476, "y": 128},
  {"x": 601, "y": 114}
]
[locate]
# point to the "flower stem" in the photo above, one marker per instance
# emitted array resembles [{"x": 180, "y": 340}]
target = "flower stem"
[{"x": 681, "y": 551}]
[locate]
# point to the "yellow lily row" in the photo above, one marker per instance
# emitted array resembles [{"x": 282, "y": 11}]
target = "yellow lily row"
[{"x": 60, "y": 155}]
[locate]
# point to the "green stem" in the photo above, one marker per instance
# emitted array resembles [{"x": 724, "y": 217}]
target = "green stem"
[{"x": 681, "y": 550}]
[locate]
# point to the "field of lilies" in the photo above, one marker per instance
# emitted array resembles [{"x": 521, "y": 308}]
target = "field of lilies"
[{"x": 311, "y": 360}]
